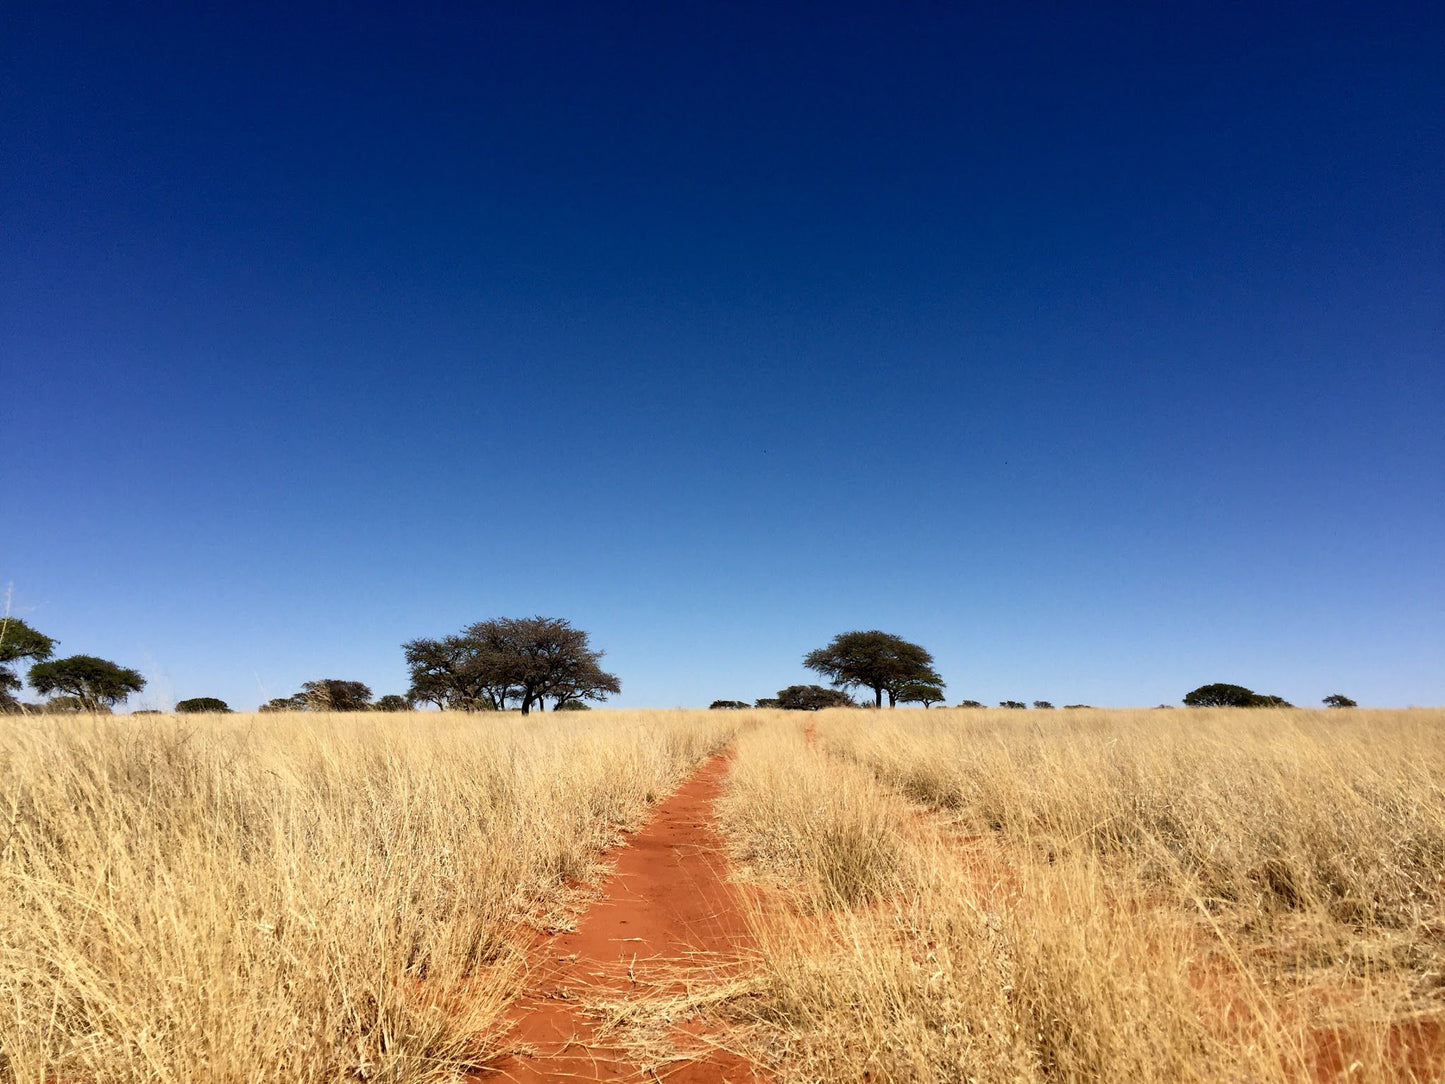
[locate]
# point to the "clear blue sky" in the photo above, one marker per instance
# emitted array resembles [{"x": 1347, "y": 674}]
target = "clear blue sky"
[{"x": 1100, "y": 351}]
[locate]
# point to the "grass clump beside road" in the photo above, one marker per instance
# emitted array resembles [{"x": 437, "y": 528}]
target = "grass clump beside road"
[{"x": 296, "y": 897}]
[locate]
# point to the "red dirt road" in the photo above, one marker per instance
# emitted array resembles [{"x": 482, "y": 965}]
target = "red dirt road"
[{"x": 668, "y": 922}]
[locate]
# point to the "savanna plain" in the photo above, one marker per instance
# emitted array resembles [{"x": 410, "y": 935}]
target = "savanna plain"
[{"x": 949, "y": 895}]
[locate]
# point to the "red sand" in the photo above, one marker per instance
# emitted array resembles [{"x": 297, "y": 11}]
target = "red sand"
[{"x": 666, "y": 910}]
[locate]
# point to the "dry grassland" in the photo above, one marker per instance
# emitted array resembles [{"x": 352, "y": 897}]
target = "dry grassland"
[
  {"x": 1100, "y": 896},
  {"x": 990, "y": 896},
  {"x": 297, "y": 898}
]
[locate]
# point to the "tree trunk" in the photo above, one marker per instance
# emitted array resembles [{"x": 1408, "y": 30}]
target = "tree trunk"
[
  {"x": 878, "y": 696},
  {"x": 892, "y": 700}
]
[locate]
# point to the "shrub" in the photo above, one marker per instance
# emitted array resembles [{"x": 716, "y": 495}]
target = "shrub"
[
  {"x": 1016, "y": 705},
  {"x": 728, "y": 705},
  {"x": 1043, "y": 705},
  {"x": 1336, "y": 700}
]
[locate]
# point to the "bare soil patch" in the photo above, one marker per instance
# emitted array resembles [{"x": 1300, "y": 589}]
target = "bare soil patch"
[{"x": 626, "y": 995}]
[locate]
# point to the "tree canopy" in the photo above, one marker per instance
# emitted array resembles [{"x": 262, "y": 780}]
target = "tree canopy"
[
  {"x": 1223, "y": 695},
  {"x": 94, "y": 682},
  {"x": 334, "y": 694},
  {"x": 812, "y": 698},
  {"x": 492, "y": 664},
  {"x": 294, "y": 702},
  {"x": 200, "y": 704},
  {"x": 19, "y": 641},
  {"x": 921, "y": 692},
  {"x": 874, "y": 660},
  {"x": 1338, "y": 700}
]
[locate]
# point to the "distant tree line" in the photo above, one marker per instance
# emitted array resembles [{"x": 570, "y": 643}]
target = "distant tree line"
[
  {"x": 888, "y": 665},
  {"x": 522, "y": 664}
]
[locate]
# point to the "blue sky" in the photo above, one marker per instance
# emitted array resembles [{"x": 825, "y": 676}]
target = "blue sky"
[{"x": 1100, "y": 351}]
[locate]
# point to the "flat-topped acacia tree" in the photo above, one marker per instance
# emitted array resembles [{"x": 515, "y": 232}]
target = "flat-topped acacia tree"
[
  {"x": 874, "y": 660},
  {"x": 921, "y": 692},
  {"x": 199, "y": 705},
  {"x": 522, "y": 660},
  {"x": 1221, "y": 694},
  {"x": 95, "y": 683}
]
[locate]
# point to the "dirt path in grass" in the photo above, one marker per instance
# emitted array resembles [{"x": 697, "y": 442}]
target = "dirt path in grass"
[{"x": 622, "y": 997}]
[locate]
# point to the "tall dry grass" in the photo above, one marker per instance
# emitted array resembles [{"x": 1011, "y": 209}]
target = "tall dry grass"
[
  {"x": 296, "y": 897},
  {"x": 1340, "y": 813},
  {"x": 1100, "y": 896}
]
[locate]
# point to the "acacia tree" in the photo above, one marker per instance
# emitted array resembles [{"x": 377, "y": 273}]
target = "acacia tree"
[
  {"x": 921, "y": 692},
  {"x": 19, "y": 641},
  {"x": 1223, "y": 695},
  {"x": 529, "y": 660},
  {"x": 333, "y": 694},
  {"x": 812, "y": 698},
  {"x": 874, "y": 660},
  {"x": 294, "y": 702},
  {"x": 1339, "y": 700},
  {"x": 456, "y": 672},
  {"x": 200, "y": 704},
  {"x": 583, "y": 681},
  {"x": 94, "y": 682}
]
